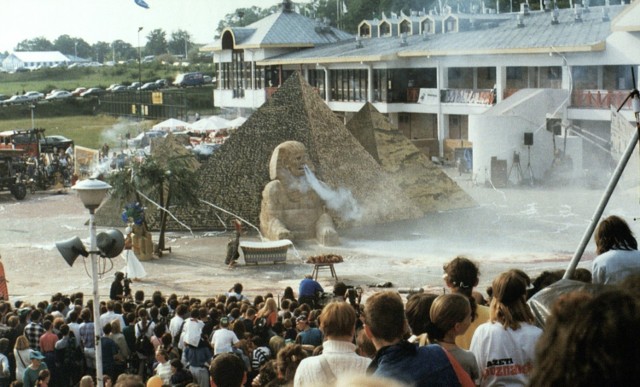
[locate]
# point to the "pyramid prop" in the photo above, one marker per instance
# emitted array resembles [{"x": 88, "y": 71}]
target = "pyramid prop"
[
  {"x": 235, "y": 175},
  {"x": 422, "y": 181}
]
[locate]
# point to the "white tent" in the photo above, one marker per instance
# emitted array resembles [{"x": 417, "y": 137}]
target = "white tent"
[
  {"x": 209, "y": 124},
  {"x": 237, "y": 122},
  {"x": 171, "y": 125}
]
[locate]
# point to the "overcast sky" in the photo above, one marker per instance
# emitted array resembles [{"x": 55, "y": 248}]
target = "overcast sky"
[{"x": 109, "y": 20}]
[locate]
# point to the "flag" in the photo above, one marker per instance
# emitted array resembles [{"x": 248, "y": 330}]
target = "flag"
[{"x": 142, "y": 3}]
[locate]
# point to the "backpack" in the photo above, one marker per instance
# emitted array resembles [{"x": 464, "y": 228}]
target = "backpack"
[
  {"x": 260, "y": 327},
  {"x": 176, "y": 338},
  {"x": 143, "y": 344},
  {"x": 72, "y": 356}
]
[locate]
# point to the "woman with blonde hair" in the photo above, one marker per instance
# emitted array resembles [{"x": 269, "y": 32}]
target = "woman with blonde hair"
[
  {"x": 265, "y": 318},
  {"x": 504, "y": 347},
  {"x": 21, "y": 351}
]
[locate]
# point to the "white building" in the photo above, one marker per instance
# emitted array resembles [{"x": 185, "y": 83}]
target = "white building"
[
  {"x": 34, "y": 60},
  {"x": 453, "y": 81}
]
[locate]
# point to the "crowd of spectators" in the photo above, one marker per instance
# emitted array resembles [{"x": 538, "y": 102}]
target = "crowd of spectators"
[{"x": 458, "y": 338}]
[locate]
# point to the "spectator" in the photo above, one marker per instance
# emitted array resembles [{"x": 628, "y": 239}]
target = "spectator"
[
  {"x": 588, "y": 341},
  {"x": 227, "y": 370},
  {"x": 617, "y": 250},
  {"x": 417, "y": 312},
  {"x": 177, "y": 322},
  {"x": 199, "y": 358},
  {"x": 338, "y": 358},
  {"x": 48, "y": 346},
  {"x": 223, "y": 339},
  {"x": 287, "y": 363},
  {"x": 266, "y": 317},
  {"x": 450, "y": 317},
  {"x": 309, "y": 337},
  {"x": 396, "y": 358},
  {"x": 261, "y": 353},
  {"x": 5, "y": 366},
  {"x": 509, "y": 334},
  {"x": 461, "y": 276},
  {"x": 30, "y": 375},
  {"x": 69, "y": 357},
  {"x": 163, "y": 367},
  {"x": 180, "y": 377},
  {"x": 22, "y": 352},
  {"x": 34, "y": 330},
  {"x": 236, "y": 291},
  {"x": 88, "y": 339},
  {"x": 308, "y": 291},
  {"x": 111, "y": 357},
  {"x": 111, "y": 315},
  {"x": 288, "y": 294}
]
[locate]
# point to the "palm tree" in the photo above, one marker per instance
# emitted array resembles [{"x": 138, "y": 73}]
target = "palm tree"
[{"x": 168, "y": 181}]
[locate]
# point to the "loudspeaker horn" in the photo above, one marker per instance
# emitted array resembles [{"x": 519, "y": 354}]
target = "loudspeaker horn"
[
  {"x": 110, "y": 243},
  {"x": 70, "y": 249}
]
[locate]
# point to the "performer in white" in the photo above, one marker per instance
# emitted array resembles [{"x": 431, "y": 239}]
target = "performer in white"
[{"x": 133, "y": 269}]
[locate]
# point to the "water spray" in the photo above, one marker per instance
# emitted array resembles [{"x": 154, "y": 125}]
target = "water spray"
[{"x": 340, "y": 200}]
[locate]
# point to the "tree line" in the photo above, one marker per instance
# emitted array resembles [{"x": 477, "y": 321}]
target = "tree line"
[{"x": 156, "y": 43}]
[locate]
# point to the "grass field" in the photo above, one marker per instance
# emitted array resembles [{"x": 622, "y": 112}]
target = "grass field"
[
  {"x": 86, "y": 131},
  {"x": 44, "y": 80}
]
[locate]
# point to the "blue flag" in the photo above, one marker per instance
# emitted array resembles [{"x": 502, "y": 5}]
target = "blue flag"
[{"x": 142, "y": 3}]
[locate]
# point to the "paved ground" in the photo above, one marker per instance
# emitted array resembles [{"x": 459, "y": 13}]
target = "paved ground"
[{"x": 525, "y": 227}]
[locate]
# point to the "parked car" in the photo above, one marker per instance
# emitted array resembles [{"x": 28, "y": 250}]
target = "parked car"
[
  {"x": 59, "y": 142},
  {"x": 135, "y": 86},
  {"x": 119, "y": 89},
  {"x": 78, "y": 91},
  {"x": 93, "y": 91},
  {"x": 34, "y": 95},
  {"x": 149, "y": 86},
  {"x": 161, "y": 83},
  {"x": 4, "y": 97},
  {"x": 208, "y": 79},
  {"x": 16, "y": 100},
  {"x": 189, "y": 79},
  {"x": 59, "y": 94},
  {"x": 112, "y": 86}
]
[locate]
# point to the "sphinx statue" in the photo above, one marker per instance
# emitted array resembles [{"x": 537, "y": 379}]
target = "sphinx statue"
[{"x": 290, "y": 208}]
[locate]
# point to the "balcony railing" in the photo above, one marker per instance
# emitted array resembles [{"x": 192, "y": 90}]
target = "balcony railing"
[
  {"x": 599, "y": 99},
  {"x": 465, "y": 96}
]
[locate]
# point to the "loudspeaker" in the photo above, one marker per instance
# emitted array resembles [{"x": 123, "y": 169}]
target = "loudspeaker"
[
  {"x": 110, "y": 243},
  {"x": 528, "y": 138},
  {"x": 70, "y": 249}
]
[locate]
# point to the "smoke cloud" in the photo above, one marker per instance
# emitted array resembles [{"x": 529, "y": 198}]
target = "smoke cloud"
[{"x": 341, "y": 200}]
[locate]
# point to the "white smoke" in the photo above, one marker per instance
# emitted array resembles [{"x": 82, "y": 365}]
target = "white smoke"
[{"x": 341, "y": 200}]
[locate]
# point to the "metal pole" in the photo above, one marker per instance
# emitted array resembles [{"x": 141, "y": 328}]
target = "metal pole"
[
  {"x": 97, "y": 329},
  {"x": 139, "y": 76},
  {"x": 603, "y": 203}
]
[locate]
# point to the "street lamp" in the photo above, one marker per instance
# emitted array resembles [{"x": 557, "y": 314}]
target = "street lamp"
[
  {"x": 139, "y": 75},
  {"x": 106, "y": 244}
]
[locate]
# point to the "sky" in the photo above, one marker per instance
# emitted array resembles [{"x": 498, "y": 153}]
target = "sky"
[{"x": 109, "y": 20}]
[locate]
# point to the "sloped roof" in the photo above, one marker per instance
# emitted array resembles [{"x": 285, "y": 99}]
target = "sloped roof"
[
  {"x": 425, "y": 184},
  {"x": 282, "y": 29},
  {"x": 235, "y": 175},
  {"x": 40, "y": 56},
  {"x": 498, "y": 36}
]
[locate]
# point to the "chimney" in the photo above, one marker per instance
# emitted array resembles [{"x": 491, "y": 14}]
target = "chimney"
[
  {"x": 524, "y": 9},
  {"x": 403, "y": 40},
  {"x": 605, "y": 14},
  {"x": 547, "y": 5},
  {"x": 520, "y": 21},
  {"x": 358, "y": 42}
]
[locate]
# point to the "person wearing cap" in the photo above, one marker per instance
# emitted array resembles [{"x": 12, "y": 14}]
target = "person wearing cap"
[
  {"x": 30, "y": 375},
  {"x": 309, "y": 337},
  {"x": 224, "y": 339}
]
